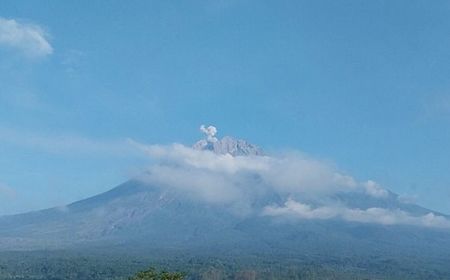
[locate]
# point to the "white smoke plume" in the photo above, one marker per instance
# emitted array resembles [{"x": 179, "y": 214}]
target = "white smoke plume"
[{"x": 210, "y": 133}]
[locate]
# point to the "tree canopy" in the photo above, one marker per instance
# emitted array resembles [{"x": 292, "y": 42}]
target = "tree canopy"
[{"x": 152, "y": 274}]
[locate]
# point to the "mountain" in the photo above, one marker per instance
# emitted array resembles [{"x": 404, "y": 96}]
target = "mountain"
[
  {"x": 229, "y": 145},
  {"x": 138, "y": 213},
  {"x": 141, "y": 215}
]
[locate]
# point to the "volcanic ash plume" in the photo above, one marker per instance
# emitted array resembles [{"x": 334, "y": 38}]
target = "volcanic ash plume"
[{"x": 210, "y": 133}]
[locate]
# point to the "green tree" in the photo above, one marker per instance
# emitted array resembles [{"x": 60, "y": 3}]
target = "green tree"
[{"x": 152, "y": 274}]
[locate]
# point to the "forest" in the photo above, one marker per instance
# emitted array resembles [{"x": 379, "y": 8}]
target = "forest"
[{"x": 75, "y": 265}]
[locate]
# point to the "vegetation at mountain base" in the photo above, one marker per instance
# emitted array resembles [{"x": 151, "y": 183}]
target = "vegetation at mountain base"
[
  {"x": 72, "y": 266},
  {"x": 152, "y": 274}
]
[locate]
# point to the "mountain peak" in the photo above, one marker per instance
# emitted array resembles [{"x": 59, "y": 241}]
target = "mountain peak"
[
  {"x": 226, "y": 145},
  {"x": 229, "y": 145}
]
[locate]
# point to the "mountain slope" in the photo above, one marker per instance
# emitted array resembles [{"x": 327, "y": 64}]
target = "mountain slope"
[{"x": 143, "y": 215}]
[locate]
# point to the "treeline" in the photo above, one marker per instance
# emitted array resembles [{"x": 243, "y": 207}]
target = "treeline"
[{"x": 67, "y": 266}]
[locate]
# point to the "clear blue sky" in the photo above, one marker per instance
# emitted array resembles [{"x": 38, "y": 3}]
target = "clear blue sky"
[{"x": 365, "y": 84}]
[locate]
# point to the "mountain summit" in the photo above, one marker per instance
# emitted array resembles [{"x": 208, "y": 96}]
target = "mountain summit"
[{"x": 227, "y": 145}]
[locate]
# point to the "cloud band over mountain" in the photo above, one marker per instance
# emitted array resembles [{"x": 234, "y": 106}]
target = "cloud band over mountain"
[{"x": 307, "y": 185}]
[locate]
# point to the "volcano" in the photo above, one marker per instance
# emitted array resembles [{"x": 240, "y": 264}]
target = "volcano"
[{"x": 148, "y": 214}]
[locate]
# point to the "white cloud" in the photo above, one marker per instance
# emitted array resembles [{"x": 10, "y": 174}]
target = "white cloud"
[
  {"x": 375, "y": 190},
  {"x": 300, "y": 210},
  {"x": 297, "y": 174},
  {"x": 239, "y": 181},
  {"x": 26, "y": 37},
  {"x": 226, "y": 163},
  {"x": 371, "y": 215},
  {"x": 203, "y": 184},
  {"x": 288, "y": 174}
]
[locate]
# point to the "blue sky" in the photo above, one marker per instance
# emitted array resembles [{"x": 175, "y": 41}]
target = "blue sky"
[{"x": 364, "y": 84}]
